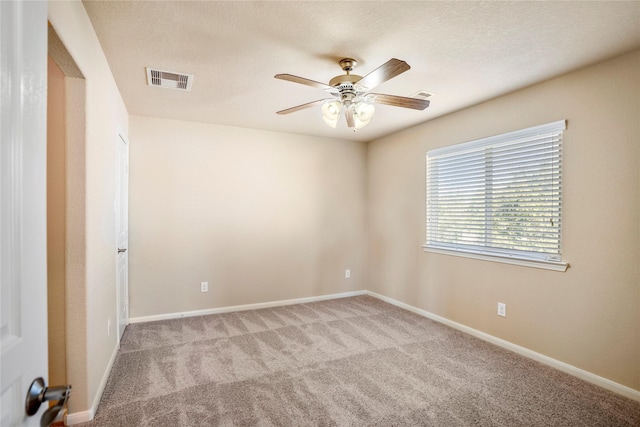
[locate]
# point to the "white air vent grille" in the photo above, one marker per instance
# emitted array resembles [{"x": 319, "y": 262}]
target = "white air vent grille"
[
  {"x": 169, "y": 79},
  {"x": 422, "y": 94}
]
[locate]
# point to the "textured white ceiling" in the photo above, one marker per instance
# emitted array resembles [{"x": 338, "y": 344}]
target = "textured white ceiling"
[{"x": 462, "y": 52}]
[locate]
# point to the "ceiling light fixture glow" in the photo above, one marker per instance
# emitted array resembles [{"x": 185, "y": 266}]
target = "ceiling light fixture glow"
[
  {"x": 362, "y": 112},
  {"x": 331, "y": 112}
]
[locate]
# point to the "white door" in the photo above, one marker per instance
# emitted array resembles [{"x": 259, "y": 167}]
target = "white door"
[
  {"x": 122, "y": 227},
  {"x": 23, "y": 252}
]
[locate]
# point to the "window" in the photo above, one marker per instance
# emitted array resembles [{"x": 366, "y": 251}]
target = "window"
[{"x": 499, "y": 198}]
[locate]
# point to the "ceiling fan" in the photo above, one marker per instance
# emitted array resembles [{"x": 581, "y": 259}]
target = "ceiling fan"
[{"x": 351, "y": 93}]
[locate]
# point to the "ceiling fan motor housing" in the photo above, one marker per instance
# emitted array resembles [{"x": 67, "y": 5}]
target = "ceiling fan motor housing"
[
  {"x": 347, "y": 78},
  {"x": 346, "y": 84},
  {"x": 348, "y": 93}
]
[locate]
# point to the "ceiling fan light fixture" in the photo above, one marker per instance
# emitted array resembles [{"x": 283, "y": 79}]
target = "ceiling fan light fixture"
[
  {"x": 331, "y": 113},
  {"x": 351, "y": 94}
]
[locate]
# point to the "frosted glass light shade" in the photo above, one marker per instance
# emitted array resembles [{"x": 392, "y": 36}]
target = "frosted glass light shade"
[
  {"x": 331, "y": 113},
  {"x": 363, "y": 113}
]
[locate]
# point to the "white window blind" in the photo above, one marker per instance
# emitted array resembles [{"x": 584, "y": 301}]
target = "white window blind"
[{"x": 499, "y": 196}]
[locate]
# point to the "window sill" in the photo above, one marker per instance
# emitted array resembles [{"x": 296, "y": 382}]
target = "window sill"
[{"x": 545, "y": 265}]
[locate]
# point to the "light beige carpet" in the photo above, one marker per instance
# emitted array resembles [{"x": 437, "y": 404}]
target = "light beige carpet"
[{"x": 347, "y": 362}]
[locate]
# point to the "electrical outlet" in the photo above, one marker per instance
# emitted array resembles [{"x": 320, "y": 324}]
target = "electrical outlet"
[
  {"x": 347, "y": 274},
  {"x": 204, "y": 286},
  {"x": 502, "y": 309}
]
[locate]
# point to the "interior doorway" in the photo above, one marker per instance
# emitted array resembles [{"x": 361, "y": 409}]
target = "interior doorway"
[
  {"x": 66, "y": 212},
  {"x": 56, "y": 223}
]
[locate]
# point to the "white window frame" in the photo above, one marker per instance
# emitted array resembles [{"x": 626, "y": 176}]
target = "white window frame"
[{"x": 551, "y": 260}]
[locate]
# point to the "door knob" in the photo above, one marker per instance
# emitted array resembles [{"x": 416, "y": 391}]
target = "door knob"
[
  {"x": 122, "y": 250},
  {"x": 38, "y": 394}
]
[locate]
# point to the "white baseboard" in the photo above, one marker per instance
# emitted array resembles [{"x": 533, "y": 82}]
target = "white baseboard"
[
  {"x": 78, "y": 417},
  {"x": 243, "y": 307},
  {"x": 538, "y": 357},
  {"x": 85, "y": 416}
]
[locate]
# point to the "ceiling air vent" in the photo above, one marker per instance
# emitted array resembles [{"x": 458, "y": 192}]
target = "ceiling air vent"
[
  {"x": 169, "y": 79},
  {"x": 422, "y": 94}
]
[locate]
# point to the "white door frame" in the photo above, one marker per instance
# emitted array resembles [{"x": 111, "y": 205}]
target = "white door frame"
[
  {"x": 23, "y": 221},
  {"x": 122, "y": 232}
]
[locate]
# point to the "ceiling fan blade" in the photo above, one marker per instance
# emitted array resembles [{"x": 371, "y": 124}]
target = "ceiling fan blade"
[
  {"x": 307, "y": 82},
  {"x": 386, "y": 71},
  {"x": 302, "y": 107},
  {"x": 400, "y": 101},
  {"x": 348, "y": 113}
]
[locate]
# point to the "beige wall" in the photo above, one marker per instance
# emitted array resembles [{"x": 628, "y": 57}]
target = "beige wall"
[
  {"x": 266, "y": 216},
  {"x": 589, "y": 316},
  {"x": 262, "y": 216},
  {"x": 56, "y": 227},
  {"x": 91, "y": 302}
]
